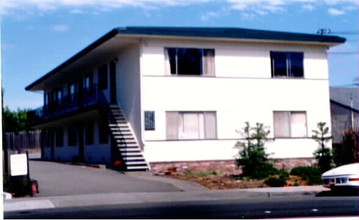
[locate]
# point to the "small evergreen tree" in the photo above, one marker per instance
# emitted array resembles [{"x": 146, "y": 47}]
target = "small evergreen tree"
[
  {"x": 323, "y": 154},
  {"x": 252, "y": 157}
]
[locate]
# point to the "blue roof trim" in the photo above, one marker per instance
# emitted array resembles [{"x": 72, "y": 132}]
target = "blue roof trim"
[
  {"x": 200, "y": 32},
  {"x": 236, "y": 33}
]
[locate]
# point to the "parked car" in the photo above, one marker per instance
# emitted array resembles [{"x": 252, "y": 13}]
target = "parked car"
[{"x": 346, "y": 176}]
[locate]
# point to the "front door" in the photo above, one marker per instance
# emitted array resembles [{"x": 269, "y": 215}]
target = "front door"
[{"x": 81, "y": 131}]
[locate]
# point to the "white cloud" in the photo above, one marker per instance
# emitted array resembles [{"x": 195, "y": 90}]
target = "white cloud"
[
  {"x": 208, "y": 15},
  {"x": 60, "y": 27},
  {"x": 77, "y": 11},
  {"x": 334, "y": 11},
  {"x": 259, "y": 7},
  {"x": 308, "y": 7}
]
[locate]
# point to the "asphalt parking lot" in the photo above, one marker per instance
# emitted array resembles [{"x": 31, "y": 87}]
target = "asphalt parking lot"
[{"x": 57, "y": 179}]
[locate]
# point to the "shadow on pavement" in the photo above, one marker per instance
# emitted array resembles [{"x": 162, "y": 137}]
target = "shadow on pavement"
[{"x": 338, "y": 192}]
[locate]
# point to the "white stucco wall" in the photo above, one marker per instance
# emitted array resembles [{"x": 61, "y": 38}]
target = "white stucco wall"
[
  {"x": 242, "y": 90},
  {"x": 128, "y": 86}
]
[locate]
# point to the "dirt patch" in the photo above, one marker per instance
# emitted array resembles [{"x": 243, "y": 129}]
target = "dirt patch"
[{"x": 218, "y": 181}]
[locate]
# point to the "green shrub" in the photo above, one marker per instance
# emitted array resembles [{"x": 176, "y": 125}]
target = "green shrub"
[
  {"x": 310, "y": 174},
  {"x": 275, "y": 181},
  {"x": 263, "y": 171},
  {"x": 252, "y": 158},
  {"x": 323, "y": 154}
]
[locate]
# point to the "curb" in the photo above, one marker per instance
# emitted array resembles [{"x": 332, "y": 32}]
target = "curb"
[{"x": 140, "y": 198}]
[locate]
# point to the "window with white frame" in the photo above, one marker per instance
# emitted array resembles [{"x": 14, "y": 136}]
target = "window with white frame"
[
  {"x": 189, "y": 61},
  {"x": 191, "y": 125},
  {"x": 290, "y": 124},
  {"x": 287, "y": 64}
]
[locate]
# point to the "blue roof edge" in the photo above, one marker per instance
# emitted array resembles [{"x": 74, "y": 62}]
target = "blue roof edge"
[
  {"x": 230, "y": 32},
  {"x": 207, "y": 32}
]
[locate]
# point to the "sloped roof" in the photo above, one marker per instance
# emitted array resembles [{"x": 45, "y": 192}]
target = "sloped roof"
[
  {"x": 236, "y": 33},
  {"x": 345, "y": 96},
  {"x": 196, "y": 32}
]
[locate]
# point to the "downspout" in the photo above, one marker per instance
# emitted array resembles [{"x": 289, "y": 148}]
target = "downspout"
[{"x": 351, "y": 111}]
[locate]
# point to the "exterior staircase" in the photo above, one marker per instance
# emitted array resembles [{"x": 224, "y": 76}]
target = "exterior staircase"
[{"x": 125, "y": 140}]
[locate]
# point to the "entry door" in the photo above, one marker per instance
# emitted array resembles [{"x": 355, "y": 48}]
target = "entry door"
[
  {"x": 81, "y": 142},
  {"x": 113, "y": 95},
  {"x": 51, "y": 136}
]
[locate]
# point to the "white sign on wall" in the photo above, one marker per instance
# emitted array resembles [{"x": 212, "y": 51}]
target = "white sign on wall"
[{"x": 18, "y": 164}]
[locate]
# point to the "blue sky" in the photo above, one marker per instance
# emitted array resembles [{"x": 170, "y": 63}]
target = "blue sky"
[{"x": 38, "y": 35}]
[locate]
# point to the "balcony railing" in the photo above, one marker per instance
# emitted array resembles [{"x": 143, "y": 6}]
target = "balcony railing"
[{"x": 74, "y": 102}]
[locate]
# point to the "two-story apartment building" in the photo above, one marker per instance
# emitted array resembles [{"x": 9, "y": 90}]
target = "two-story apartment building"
[{"x": 141, "y": 95}]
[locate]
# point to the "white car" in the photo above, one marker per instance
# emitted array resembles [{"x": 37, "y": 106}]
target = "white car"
[{"x": 346, "y": 176}]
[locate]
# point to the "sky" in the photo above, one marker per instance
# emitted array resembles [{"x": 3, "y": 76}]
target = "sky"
[{"x": 39, "y": 35}]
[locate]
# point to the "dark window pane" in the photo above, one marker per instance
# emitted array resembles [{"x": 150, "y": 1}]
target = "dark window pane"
[
  {"x": 149, "y": 120},
  {"x": 279, "y": 64},
  {"x": 102, "y": 77},
  {"x": 172, "y": 59},
  {"x": 296, "y": 64},
  {"x": 189, "y": 61}
]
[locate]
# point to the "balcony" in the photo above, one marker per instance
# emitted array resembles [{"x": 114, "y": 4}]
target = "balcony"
[{"x": 81, "y": 100}]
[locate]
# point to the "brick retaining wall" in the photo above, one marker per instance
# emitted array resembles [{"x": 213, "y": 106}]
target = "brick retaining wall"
[{"x": 222, "y": 166}]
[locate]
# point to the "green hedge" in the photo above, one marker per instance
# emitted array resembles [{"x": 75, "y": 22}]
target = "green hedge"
[{"x": 311, "y": 174}]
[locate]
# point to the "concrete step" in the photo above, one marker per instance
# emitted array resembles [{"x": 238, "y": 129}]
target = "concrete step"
[
  {"x": 138, "y": 158},
  {"x": 137, "y": 168},
  {"x": 132, "y": 154},
  {"x": 136, "y": 162},
  {"x": 129, "y": 150}
]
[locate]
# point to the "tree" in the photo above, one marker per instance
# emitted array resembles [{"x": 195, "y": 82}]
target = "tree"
[
  {"x": 323, "y": 154},
  {"x": 16, "y": 121},
  {"x": 252, "y": 157},
  {"x": 347, "y": 151}
]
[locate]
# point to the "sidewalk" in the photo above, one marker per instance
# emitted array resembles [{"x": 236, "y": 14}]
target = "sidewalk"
[{"x": 149, "y": 197}]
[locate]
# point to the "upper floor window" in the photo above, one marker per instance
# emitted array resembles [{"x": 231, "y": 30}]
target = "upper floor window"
[
  {"x": 88, "y": 81},
  {"x": 287, "y": 64},
  {"x": 190, "y": 61},
  {"x": 71, "y": 92},
  {"x": 58, "y": 96}
]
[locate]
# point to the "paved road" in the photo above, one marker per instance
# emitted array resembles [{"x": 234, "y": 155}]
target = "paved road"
[
  {"x": 280, "y": 207},
  {"x": 57, "y": 179}
]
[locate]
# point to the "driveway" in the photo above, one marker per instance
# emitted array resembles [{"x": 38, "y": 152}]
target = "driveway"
[{"x": 57, "y": 179}]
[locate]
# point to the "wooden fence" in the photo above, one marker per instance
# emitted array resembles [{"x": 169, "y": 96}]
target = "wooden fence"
[{"x": 22, "y": 140}]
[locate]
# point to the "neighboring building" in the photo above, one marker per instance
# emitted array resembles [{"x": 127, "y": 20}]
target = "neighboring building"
[
  {"x": 344, "y": 111},
  {"x": 160, "y": 94}
]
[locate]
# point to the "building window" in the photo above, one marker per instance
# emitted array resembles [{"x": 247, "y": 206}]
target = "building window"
[
  {"x": 88, "y": 81},
  {"x": 190, "y": 61},
  {"x": 89, "y": 133},
  {"x": 59, "y": 137},
  {"x": 191, "y": 125},
  {"x": 290, "y": 124},
  {"x": 287, "y": 64},
  {"x": 72, "y": 91},
  {"x": 72, "y": 135},
  {"x": 103, "y": 133},
  {"x": 58, "y": 97},
  {"x": 149, "y": 120},
  {"x": 102, "y": 77}
]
